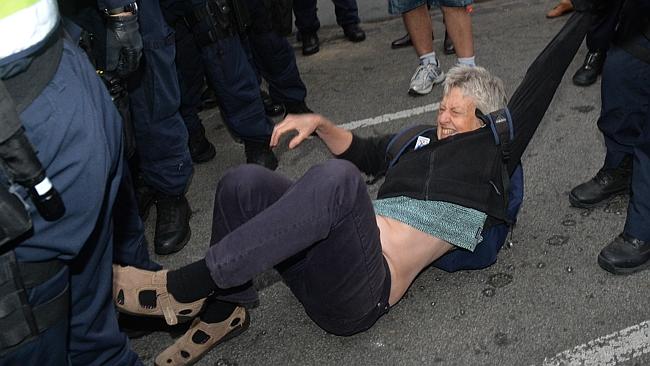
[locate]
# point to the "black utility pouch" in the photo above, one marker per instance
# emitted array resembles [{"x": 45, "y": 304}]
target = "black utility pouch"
[
  {"x": 19, "y": 320},
  {"x": 14, "y": 219},
  {"x": 16, "y": 317}
]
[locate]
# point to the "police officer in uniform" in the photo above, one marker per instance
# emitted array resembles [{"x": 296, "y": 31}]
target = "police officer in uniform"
[
  {"x": 69, "y": 118},
  {"x": 272, "y": 56},
  {"x": 214, "y": 28},
  {"x": 161, "y": 135},
  {"x": 163, "y": 158},
  {"x": 625, "y": 124},
  {"x": 347, "y": 16}
]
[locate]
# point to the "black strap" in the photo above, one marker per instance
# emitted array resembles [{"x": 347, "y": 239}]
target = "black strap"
[
  {"x": 500, "y": 122},
  {"x": 16, "y": 330},
  {"x": 400, "y": 142},
  {"x": 28, "y": 85},
  {"x": 19, "y": 320},
  {"x": 36, "y": 273}
]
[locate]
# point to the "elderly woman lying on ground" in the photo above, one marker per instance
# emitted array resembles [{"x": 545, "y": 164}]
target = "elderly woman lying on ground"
[{"x": 346, "y": 258}]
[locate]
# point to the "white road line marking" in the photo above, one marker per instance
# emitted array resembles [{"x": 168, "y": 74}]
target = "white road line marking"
[
  {"x": 390, "y": 117},
  {"x": 611, "y": 349}
]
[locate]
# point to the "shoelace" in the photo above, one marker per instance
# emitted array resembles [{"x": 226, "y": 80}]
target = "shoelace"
[
  {"x": 423, "y": 72},
  {"x": 591, "y": 58}
]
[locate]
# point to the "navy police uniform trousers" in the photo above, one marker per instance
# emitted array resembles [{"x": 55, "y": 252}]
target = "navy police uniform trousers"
[
  {"x": 307, "y": 21},
  {"x": 77, "y": 133},
  {"x": 228, "y": 69},
  {"x": 274, "y": 57},
  {"x": 161, "y": 135},
  {"x": 625, "y": 123},
  {"x": 602, "y": 31}
]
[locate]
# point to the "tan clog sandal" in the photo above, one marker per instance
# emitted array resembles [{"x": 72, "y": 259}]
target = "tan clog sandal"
[
  {"x": 130, "y": 284},
  {"x": 202, "y": 337}
]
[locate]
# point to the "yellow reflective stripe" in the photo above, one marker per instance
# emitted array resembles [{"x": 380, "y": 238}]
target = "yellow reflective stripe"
[
  {"x": 27, "y": 27},
  {"x": 8, "y": 7}
]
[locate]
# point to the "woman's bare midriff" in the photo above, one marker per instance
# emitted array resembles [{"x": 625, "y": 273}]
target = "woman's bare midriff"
[{"x": 407, "y": 251}]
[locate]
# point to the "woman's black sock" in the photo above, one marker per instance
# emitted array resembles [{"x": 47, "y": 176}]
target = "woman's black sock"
[
  {"x": 217, "y": 311},
  {"x": 190, "y": 283}
]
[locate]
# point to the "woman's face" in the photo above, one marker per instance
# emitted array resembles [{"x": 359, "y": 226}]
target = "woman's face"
[{"x": 457, "y": 114}]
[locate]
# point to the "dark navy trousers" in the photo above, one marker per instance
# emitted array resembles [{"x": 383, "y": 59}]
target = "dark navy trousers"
[
  {"x": 273, "y": 56},
  {"x": 231, "y": 67},
  {"x": 161, "y": 135},
  {"x": 307, "y": 21},
  {"x": 191, "y": 76},
  {"x": 319, "y": 232},
  {"x": 275, "y": 60},
  {"x": 601, "y": 33},
  {"x": 228, "y": 70},
  {"x": 625, "y": 123},
  {"x": 78, "y": 135}
]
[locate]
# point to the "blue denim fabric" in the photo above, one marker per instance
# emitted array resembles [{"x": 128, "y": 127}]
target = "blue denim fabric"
[{"x": 397, "y": 7}]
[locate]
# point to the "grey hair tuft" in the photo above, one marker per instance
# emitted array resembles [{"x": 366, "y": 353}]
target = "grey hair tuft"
[{"x": 476, "y": 82}]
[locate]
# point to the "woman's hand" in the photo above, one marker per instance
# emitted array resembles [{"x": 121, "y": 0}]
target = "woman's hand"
[
  {"x": 335, "y": 138},
  {"x": 303, "y": 124}
]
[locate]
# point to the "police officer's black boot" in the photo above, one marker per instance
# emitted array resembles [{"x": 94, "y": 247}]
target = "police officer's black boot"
[
  {"x": 297, "y": 108},
  {"x": 607, "y": 183},
  {"x": 145, "y": 195},
  {"x": 354, "y": 33},
  {"x": 588, "y": 73},
  {"x": 201, "y": 150},
  {"x": 310, "y": 43},
  {"x": 260, "y": 153},
  {"x": 624, "y": 255},
  {"x": 172, "y": 223}
]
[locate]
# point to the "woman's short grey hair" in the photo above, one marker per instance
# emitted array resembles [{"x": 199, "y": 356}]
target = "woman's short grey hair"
[{"x": 476, "y": 82}]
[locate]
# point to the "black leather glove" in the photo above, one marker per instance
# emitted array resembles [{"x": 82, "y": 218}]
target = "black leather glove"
[{"x": 123, "y": 44}]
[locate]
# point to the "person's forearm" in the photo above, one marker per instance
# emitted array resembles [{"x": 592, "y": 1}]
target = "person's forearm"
[{"x": 337, "y": 139}]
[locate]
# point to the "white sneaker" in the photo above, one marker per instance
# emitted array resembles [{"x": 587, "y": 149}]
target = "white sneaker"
[{"x": 425, "y": 77}]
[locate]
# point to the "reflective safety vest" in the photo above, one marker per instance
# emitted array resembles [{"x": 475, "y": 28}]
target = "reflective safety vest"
[{"x": 24, "y": 24}]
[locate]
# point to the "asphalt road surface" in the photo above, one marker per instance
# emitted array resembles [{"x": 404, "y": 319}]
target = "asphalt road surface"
[{"x": 544, "y": 302}]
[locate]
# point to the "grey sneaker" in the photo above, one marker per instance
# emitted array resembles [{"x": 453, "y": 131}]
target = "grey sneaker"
[{"x": 425, "y": 77}]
